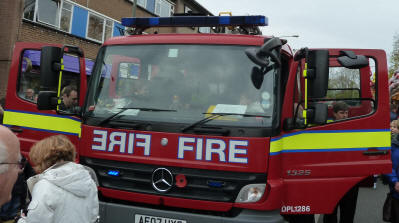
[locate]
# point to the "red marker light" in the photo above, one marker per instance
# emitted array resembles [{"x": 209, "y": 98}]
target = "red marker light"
[{"x": 181, "y": 180}]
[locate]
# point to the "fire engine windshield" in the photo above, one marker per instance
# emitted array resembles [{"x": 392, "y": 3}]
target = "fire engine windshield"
[{"x": 179, "y": 84}]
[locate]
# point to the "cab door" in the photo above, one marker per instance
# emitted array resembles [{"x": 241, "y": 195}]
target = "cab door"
[
  {"x": 321, "y": 162},
  {"x": 21, "y": 114}
]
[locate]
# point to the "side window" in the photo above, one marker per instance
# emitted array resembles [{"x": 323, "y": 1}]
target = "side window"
[
  {"x": 29, "y": 79},
  {"x": 350, "y": 92},
  {"x": 70, "y": 84}
]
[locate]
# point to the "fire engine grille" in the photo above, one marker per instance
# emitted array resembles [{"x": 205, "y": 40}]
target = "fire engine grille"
[{"x": 210, "y": 185}]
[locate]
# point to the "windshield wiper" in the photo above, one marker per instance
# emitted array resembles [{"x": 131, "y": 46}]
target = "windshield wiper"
[
  {"x": 109, "y": 118},
  {"x": 217, "y": 115}
]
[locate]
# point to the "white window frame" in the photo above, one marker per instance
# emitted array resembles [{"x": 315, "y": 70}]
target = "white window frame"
[
  {"x": 112, "y": 27},
  {"x": 90, "y": 11},
  {"x": 145, "y": 3},
  {"x": 48, "y": 24},
  {"x": 158, "y": 6},
  {"x": 104, "y": 24},
  {"x": 70, "y": 22},
  {"x": 87, "y": 27}
]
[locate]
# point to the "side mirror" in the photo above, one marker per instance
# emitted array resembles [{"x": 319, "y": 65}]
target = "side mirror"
[
  {"x": 47, "y": 100},
  {"x": 50, "y": 66},
  {"x": 270, "y": 49},
  {"x": 318, "y": 61},
  {"x": 350, "y": 60},
  {"x": 318, "y": 113},
  {"x": 257, "y": 77}
]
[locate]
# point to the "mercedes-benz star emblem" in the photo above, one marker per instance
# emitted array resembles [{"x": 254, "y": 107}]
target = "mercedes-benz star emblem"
[{"x": 162, "y": 180}]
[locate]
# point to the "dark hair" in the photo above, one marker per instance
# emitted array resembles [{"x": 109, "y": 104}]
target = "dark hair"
[
  {"x": 340, "y": 106},
  {"x": 68, "y": 89},
  {"x": 394, "y": 106}
]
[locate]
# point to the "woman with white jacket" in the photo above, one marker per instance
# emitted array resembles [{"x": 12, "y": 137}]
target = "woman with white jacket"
[{"x": 63, "y": 191}]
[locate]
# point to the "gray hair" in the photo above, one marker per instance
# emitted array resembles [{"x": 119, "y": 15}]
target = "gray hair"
[{"x": 3, "y": 158}]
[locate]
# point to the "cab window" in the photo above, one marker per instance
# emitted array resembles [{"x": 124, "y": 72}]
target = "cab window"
[
  {"x": 29, "y": 78},
  {"x": 350, "y": 92}
]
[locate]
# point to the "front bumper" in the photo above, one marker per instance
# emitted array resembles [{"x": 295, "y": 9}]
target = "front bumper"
[{"x": 118, "y": 213}]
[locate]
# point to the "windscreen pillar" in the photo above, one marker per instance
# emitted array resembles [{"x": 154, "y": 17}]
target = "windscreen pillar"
[{"x": 10, "y": 14}]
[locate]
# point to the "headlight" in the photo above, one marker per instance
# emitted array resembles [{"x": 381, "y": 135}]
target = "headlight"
[{"x": 251, "y": 193}]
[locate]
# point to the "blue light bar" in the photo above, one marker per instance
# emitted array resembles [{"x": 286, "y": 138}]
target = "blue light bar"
[
  {"x": 195, "y": 21},
  {"x": 114, "y": 173}
]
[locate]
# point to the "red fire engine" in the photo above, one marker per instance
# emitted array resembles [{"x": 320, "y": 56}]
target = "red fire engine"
[{"x": 209, "y": 127}]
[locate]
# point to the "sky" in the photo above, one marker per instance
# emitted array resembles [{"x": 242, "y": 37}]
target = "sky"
[{"x": 364, "y": 24}]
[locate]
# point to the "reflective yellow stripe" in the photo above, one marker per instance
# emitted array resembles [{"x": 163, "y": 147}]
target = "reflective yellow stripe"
[
  {"x": 333, "y": 140},
  {"x": 305, "y": 111},
  {"x": 42, "y": 122}
]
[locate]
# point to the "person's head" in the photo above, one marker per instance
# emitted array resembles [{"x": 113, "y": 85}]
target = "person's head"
[
  {"x": 30, "y": 94},
  {"x": 9, "y": 163},
  {"x": 394, "y": 127},
  {"x": 340, "y": 110},
  {"x": 394, "y": 108},
  {"x": 70, "y": 96},
  {"x": 51, "y": 150}
]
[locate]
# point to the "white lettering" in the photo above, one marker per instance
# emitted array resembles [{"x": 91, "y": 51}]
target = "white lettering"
[
  {"x": 117, "y": 138},
  {"x": 130, "y": 147},
  {"x": 146, "y": 144},
  {"x": 234, "y": 150},
  {"x": 199, "y": 149},
  {"x": 215, "y": 146},
  {"x": 183, "y": 147},
  {"x": 102, "y": 140}
]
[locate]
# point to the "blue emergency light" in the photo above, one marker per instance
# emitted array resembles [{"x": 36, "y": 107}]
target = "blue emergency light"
[
  {"x": 114, "y": 173},
  {"x": 195, "y": 21}
]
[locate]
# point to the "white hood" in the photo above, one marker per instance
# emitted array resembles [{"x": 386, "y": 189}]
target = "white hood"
[
  {"x": 64, "y": 193},
  {"x": 69, "y": 176}
]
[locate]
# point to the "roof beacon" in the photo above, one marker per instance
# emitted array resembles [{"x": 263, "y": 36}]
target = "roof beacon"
[{"x": 195, "y": 21}]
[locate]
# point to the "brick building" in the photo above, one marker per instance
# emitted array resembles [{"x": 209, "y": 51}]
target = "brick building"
[{"x": 83, "y": 23}]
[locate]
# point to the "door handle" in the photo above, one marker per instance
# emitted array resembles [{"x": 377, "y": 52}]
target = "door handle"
[
  {"x": 375, "y": 152},
  {"x": 16, "y": 129}
]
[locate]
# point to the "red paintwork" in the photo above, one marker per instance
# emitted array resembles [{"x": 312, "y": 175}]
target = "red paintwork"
[
  {"x": 13, "y": 102},
  {"x": 257, "y": 152},
  {"x": 333, "y": 173}
]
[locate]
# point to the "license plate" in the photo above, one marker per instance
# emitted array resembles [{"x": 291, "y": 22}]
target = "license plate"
[{"x": 138, "y": 218}]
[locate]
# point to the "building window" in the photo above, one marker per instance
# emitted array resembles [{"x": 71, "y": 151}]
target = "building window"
[
  {"x": 95, "y": 27},
  {"x": 60, "y": 13},
  {"x": 187, "y": 9},
  {"x": 66, "y": 17},
  {"x": 108, "y": 29},
  {"x": 164, "y": 8},
  {"x": 142, "y": 3},
  {"x": 48, "y": 12},
  {"x": 204, "y": 29},
  {"x": 29, "y": 9}
]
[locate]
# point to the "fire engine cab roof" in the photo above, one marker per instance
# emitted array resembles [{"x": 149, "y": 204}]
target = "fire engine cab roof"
[{"x": 205, "y": 39}]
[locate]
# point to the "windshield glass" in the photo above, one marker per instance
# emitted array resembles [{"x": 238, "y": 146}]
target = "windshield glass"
[{"x": 179, "y": 84}]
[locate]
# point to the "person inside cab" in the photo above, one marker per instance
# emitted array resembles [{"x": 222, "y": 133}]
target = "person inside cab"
[
  {"x": 347, "y": 205},
  {"x": 340, "y": 110},
  {"x": 69, "y": 98}
]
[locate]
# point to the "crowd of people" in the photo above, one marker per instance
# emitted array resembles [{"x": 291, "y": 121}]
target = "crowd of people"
[
  {"x": 60, "y": 190},
  {"x": 56, "y": 189}
]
